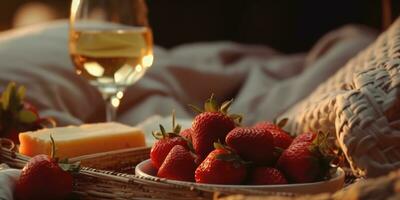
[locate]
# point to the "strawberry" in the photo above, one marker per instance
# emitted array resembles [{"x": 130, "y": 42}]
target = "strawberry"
[
  {"x": 187, "y": 133},
  {"x": 44, "y": 178},
  {"x": 16, "y": 114},
  {"x": 266, "y": 176},
  {"x": 310, "y": 158},
  {"x": 252, "y": 144},
  {"x": 178, "y": 165},
  {"x": 166, "y": 141},
  {"x": 211, "y": 126},
  {"x": 221, "y": 166},
  {"x": 299, "y": 163},
  {"x": 305, "y": 137},
  {"x": 281, "y": 138}
]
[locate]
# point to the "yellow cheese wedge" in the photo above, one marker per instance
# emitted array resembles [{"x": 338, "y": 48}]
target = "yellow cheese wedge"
[{"x": 73, "y": 141}]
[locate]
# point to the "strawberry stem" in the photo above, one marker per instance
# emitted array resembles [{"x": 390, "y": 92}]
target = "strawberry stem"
[
  {"x": 53, "y": 147},
  {"x": 230, "y": 155},
  {"x": 163, "y": 132},
  {"x": 173, "y": 119}
]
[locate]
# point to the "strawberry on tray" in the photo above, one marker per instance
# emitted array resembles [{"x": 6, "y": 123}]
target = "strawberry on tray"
[
  {"x": 46, "y": 177},
  {"x": 16, "y": 114},
  {"x": 218, "y": 151}
]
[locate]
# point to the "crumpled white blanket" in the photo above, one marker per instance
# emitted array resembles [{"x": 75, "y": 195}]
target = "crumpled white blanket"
[
  {"x": 8, "y": 178},
  {"x": 263, "y": 82}
]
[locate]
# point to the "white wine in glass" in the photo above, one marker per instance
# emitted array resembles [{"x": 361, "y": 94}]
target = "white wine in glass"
[{"x": 111, "y": 45}]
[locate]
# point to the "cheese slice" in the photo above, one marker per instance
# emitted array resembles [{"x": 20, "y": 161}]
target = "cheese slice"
[{"x": 73, "y": 141}]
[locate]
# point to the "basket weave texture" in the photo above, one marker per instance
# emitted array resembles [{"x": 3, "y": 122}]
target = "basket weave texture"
[
  {"x": 360, "y": 107},
  {"x": 111, "y": 176}
]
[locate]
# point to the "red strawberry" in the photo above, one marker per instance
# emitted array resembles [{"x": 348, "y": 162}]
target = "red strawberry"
[
  {"x": 17, "y": 115},
  {"x": 281, "y": 138},
  {"x": 187, "y": 133},
  {"x": 300, "y": 163},
  {"x": 221, "y": 166},
  {"x": 162, "y": 147},
  {"x": 43, "y": 178},
  {"x": 166, "y": 141},
  {"x": 211, "y": 126},
  {"x": 305, "y": 137},
  {"x": 252, "y": 144},
  {"x": 178, "y": 165},
  {"x": 266, "y": 176}
]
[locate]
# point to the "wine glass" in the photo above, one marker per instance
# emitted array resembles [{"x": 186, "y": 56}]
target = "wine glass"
[{"x": 111, "y": 45}]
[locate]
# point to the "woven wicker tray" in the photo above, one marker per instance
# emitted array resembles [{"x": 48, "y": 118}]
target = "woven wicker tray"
[{"x": 111, "y": 175}]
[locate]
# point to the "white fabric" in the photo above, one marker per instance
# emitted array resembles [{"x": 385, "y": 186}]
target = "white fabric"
[
  {"x": 8, "y": 179},
  {"x": 263, "y": 82}
]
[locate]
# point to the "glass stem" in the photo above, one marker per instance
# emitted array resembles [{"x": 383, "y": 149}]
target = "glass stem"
[{"x": 112, "y": 103}]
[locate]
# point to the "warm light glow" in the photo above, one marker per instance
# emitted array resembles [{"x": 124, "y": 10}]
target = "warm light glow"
[
  {"x": 74, "y": 9},
  {"x": 122, "y": 74},
  {"x": 147, "y": 61},
  {"x": 33, "y": 13},
  {"x": 138, "y": 68},
  {"x": 94, "y": 69},
  {"x": 120, "y": 94},
  {"x": 115, "y": 102}
]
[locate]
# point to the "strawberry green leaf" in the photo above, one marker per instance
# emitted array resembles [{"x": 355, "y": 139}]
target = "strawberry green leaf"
[
  {"x": 195, "y": 108},
  {"x": 173, "y": 119},
  {"x": 177, "y": 129},
  {"x": 21, "y": 92},
  {"x": 211, "y": 104},
  {"x": 157, "y": 135},
  {"x": 236, "y": 118},
  {"x": 163, "y": 132},
  {"x": 218, "y": 145},
  {"x": 26, "y": 116},
  {"x": 6, "y": 96},
  {"x": 225, "y": 106}
]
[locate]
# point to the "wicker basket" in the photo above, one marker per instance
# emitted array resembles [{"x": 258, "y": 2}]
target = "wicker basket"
[
  {"x": 111, "y": 176},
  {"x": 360, "y": 107}
]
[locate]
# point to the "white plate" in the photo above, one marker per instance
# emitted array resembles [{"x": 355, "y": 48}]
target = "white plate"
[{"x": 336, "y": 183}]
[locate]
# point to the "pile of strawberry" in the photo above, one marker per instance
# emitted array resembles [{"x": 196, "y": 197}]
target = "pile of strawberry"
[
  {"x": 216, "y": 150},
  {"x": 16, "y": 114}
]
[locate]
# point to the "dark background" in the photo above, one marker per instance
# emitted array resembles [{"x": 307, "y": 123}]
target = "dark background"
[{"x": 287, "y": 25}]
